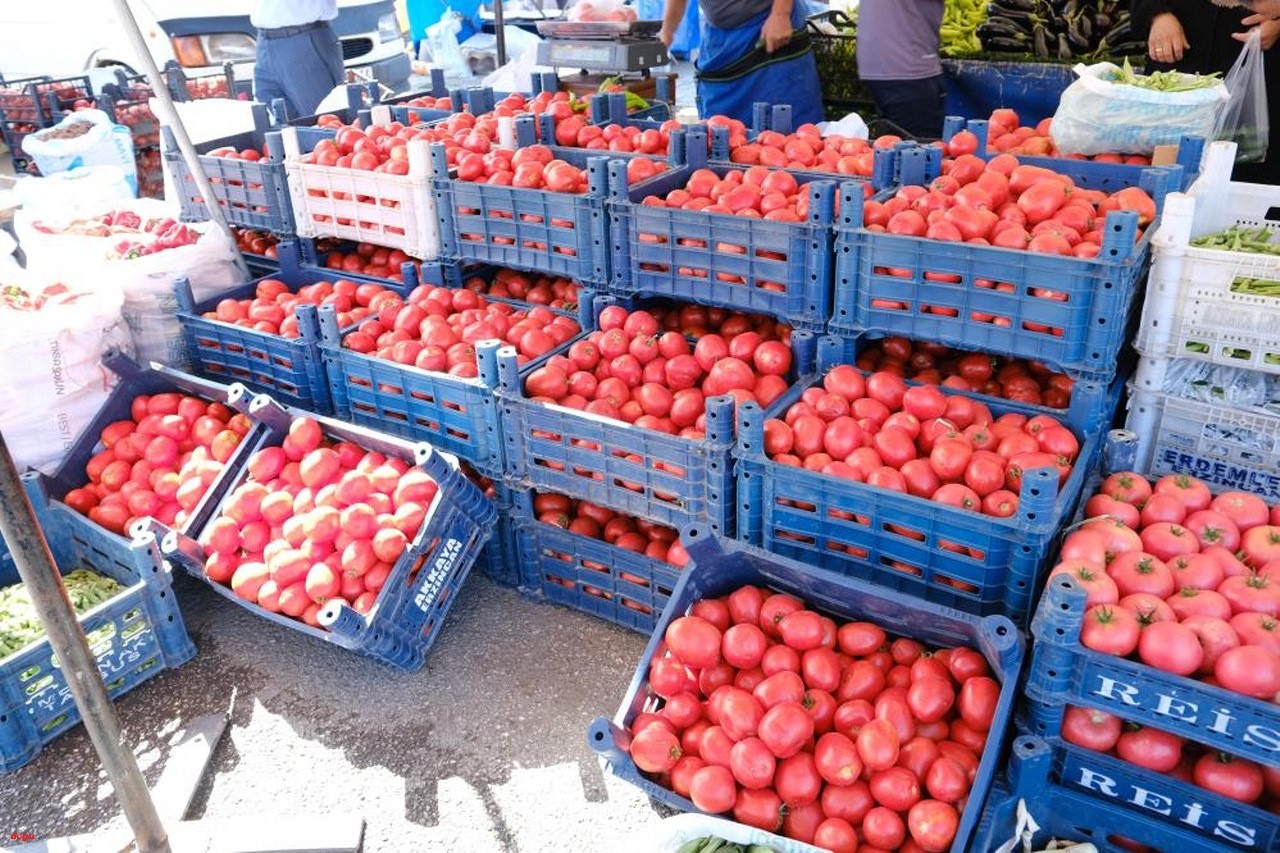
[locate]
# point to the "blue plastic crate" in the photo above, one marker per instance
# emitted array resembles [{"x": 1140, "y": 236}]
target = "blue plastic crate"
[
  {"x": 412, "y": 606},
  {"x": 498, "y": 559},
  {"x": 13, "y": 138},
  {"x": 460, "y": 416},
  {"x": 1065, "y": 672},
  {"x": 290, "y": 368},
  {"x": 252, "y": 194},
  {"x": 667, "y": 478},
  {"x": 970, "y": 561},
  {"x": 1071, "y": 313},
  {"x": 134, "y": 636},
  {"x": 1093, "y": 408},
  {"x": 717, "y": 567},
  {"x": 47, "y": 491},
  {"x": 1070, "y": 815},
  {"x": 1095, "y": 175},
  {"x": 587, "y": 574},
  {"x": 1160, "y": 797},
  {"x": 526, "y": 228},
  {"x": 776, "y": 268}
]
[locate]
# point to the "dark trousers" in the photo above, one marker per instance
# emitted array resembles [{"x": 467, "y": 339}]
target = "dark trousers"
[
  {"x": 300, "y": 68},
  {"x": 917, "y": 106}
]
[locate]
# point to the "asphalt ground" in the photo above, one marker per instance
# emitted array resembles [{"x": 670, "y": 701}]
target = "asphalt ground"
[{"x": 483, "y": 749}]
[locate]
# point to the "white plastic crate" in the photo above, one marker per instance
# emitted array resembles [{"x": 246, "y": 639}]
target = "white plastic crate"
[
  {"x": 1227, "y": 447},
  {"x": 396, "y": 211},
  {"x": 1191, "y": 310}
]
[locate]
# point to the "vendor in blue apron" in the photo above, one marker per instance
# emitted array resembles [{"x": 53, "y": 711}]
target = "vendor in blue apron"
[{"x": 751, "y": 50}]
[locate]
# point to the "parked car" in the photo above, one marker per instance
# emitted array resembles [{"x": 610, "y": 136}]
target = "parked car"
[{"x": 66, "y": 37}]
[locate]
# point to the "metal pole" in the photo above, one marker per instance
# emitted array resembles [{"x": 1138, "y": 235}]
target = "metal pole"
[
  {"x": 499, "y": 30},
  {"x": 35, "y": 564},
  {"x": 169, "y": 116}
]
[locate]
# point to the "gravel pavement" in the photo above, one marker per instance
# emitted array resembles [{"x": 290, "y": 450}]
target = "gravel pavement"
[{"x": 483, "y": 749}]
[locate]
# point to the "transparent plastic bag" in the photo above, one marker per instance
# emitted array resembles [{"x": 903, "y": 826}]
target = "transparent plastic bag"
[
  {"x": 1097, "y": 115},
  {"x": 1243, "y": 119}
]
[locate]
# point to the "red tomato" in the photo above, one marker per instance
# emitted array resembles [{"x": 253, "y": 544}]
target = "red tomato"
[
  {"x": 933, "y": 825},
  {"x": 786, "y": 728},
  {"x": 1251, "y": 670},
  {"x": 752, "y": 763},
  {"x": 1110, "y": 630},
  {"x": 695, "y": 641},
  {"x": 655, "y": 749}
]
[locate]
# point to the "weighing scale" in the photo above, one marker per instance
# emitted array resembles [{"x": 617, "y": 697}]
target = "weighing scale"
[{"x": 610, "y": 46}]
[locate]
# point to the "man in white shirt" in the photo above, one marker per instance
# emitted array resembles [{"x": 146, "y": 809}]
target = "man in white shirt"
[{"x": 299, "y": 55}]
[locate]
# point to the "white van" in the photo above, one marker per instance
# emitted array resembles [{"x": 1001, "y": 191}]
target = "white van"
[{"x": 61, "y": 38}]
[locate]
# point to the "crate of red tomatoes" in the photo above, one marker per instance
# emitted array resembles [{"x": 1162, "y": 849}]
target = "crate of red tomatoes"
[
  {"x": 540, "y": 207},
  {"x": 266, "y": 334},
  {"x": 832, "y": 711},
  {"x": 246, "y": 173},
  {"x": 1086, "y": 406},
  {"x": 155, "y": 449},
  {"x": 347, "y": 535},
  {"x": 615, "y": 566},
  {"x": 1003, "y": 133},
  {"x": 1017, "y": 259},
  {"x": 637, "y": 414},
  {"x": 928, "y": 491},
  {"x": 754, "y": 239},
  {"x": 425, "y": 367},
  {"x": 1163, "y": 612}
]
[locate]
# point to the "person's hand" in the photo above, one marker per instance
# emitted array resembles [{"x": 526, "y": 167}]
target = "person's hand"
[
  {"x": 1270, "y": 32},
  {"x": 666, "y": 36},
  {"x": 776, "y": 32},
  {"x": 1167, "y": 41},
  {"x": 1263, "y": 10}
]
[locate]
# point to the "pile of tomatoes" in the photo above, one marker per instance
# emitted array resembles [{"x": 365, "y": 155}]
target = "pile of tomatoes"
[
  {"x": 1007, "y": 135},
  {"x": 755, "y": 193},
  {"x": 835, "y": 735},
  {"x": 368, "y": 259},
  {"x": 1183, "y": 581},
  {"x": 640, "y": 367},
  {"x": 1014, "y": 379},
  {"x": 1168, "y": 754},
  {"x": 536, "y": 167},
  {"x": 637, "y": 535},
  {"x": 875, "y": 429},
  {"x": 535, "y": 288},
  {"x": 806, "y": 148},
  {"x": 261, "y": 243},
  {"x": 316, "y": 520},
  {"x": 1005, "y": 204},
  {"x": 159, "y": 462},
  {"x": 273, "y": 308},
  {"x": 437, "y": 328},
  {"x": 575, "y": 132}
]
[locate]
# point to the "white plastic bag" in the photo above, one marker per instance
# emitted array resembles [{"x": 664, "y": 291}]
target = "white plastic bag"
[
  {"x": 1098, "y": 116},
  {"x": 1244, "y": 119},
  {"x": 104, "y": 144},
  {"x": 147, "y": 282},
  {"x": 852, "y": 126},
  {"x": 55, "y": 383},
  {"x": 442, "y": 42}
]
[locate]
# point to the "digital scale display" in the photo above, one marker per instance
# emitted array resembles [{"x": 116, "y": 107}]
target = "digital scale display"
[{"x": 578, "y": 53}]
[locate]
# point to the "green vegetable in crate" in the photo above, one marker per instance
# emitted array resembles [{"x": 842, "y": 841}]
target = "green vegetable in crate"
[
  {"x": 1239, "y": 238},
  {"x": 713, "y": 844},
  {"x": 1256, "y": 287},
  {"x": 960, "y": 21},
  {"x": 19, "y": 623}
]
